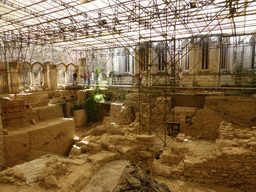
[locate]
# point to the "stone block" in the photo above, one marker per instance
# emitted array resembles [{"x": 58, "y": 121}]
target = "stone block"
[
  {"x": 180, "y": 137},
  {"x": 126, "y": 150},
  {"x": 51, "y": 181},
  {"x": 145, "y": 154},
  {"x": 188, "y": 163},
  {"x": 78, "y": 161},
  {"x": 67, "y": 109},
  {"x": 168, "y": 157},
  {"x": 80, "y": 117},
  {"x": 160, "y": 169},
  {"x": 177, "y": 171},
  {"x": 149, "y": 138},
  {"x": 97, "y": 146},
  {"x": 82, "y": 96},
  {"x": 55, "y": 136},
  {"x": 112, "y": 148},
  {"x": 49, "y": 112},
  {"x": 103, "y": 157},
  {"x": 17, "y": 145}
]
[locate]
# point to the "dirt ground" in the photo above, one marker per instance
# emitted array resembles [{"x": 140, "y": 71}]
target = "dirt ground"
[{"x": 181, "y": 186}]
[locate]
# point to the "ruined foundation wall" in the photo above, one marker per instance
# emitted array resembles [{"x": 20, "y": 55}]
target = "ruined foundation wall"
[
  {"x": 55, "y": 136},
  {"x": 230, "y": 167},
  {"x": 2, "y": 156},
  {"x": 239, "y": 111}
]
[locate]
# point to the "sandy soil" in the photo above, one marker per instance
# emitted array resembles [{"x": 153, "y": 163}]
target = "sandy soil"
[{"x": 181, "y": 186}]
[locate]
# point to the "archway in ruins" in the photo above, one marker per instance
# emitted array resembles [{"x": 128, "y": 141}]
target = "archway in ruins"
[
  {"x": 37, "y": 74},
  {"x": 25, "y": 73},
  {"x": 61, "y": 74},
  {"x": 70, "y": 71}
]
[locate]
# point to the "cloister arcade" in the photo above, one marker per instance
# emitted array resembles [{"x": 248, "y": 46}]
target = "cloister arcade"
[{"x": 36, "y": 73}]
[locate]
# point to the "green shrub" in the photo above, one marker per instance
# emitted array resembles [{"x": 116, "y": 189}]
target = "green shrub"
[
  {"x": 92, "y": 107},
  {"x": 123, "y": 97},
  {"x": 236, "y": 94},
  {"x": 75, "y": 107},
  {"x": 63, "y": 106}
]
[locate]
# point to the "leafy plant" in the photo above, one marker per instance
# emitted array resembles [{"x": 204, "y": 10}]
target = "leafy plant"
[
  {"x": 92, "y": 107},
  {"x": 75, "y": 107},
  {"x": 99, "y": 97},
  {"x": 236, "y": 94},
  {"x": 123, "y": 97},
  {"x": 63, "y": 106},
  {"x": 97, "y": 73}
]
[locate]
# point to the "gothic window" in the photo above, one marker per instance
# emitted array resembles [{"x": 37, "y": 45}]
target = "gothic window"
[
  {"x": 224, "y": 55},
  {"x": 143, "y": 60},
  {"x": 253, "y": 52},
  {"x": 161, "y": 59},
  {"x": 186, "y": 57},
  {"x": 205, "y": 53},
  {"x": 127, "y": 61}
]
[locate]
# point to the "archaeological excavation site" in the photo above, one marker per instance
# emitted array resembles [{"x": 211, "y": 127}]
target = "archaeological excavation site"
[{"x": 127, "y": 96}]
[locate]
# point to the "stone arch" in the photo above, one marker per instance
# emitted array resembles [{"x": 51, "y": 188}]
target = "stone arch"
[
  {"x": 61, "y": 74},
  {"x": 37, "y": 69},
  {"x": 25, "y": 73},
  {"x": 71, "y": 69}
]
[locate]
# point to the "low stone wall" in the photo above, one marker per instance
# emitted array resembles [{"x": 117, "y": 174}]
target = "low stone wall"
[
  {"x": 80, "y": 117},
  {"x": 55, "y": 136},
  {"x": 233, "y": 162},
  {"x": 121, "y": 113},
  {"x": 2, "y": 155},
  {"x": 235, "y": 167}
]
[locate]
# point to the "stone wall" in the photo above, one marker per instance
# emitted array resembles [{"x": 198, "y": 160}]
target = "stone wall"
[
  {"x": 239, "y": 111},
  {"x": 213, "y": 80},
  {"x": 2, "y": 155},
  {"x": 121, "y": 113},
  {"x": 232, "y": 162},
  {"x": 235, "y": 167},
  {"x": 55, "y": 136}
]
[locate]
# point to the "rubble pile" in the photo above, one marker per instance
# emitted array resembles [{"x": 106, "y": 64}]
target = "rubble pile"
[
  {"x": 134, "y": 178},
  {"x": 11, "y": 175}
]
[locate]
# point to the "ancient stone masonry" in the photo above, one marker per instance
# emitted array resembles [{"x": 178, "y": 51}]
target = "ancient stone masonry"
[
  {"x": 2, "y": 156},
  {"x": 233, "y": 161},
  {"x": 121, "y": 113},
  {"x": 133, "y": 147}
]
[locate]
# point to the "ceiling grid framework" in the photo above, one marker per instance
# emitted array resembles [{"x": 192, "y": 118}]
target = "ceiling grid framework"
[{"x": 100, "y": 24}]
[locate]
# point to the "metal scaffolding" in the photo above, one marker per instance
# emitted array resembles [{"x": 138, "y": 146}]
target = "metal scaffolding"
[{"x": 157, "y": 33}]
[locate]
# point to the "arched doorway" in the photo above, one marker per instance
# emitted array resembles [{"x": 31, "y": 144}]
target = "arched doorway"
[
  {"x": 70, "y": 71},
  {"x": 25, "y": 73},
  {"x": 37, "y": 74},
  {"x": 61, "y": 74}
]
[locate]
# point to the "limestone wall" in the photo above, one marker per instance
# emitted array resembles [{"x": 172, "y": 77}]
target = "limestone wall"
[
  {"x": 231, "y": 161},
  {"x": 232, "y": 167},
  {"x": 240, "y": 111},
  {"x": 2, "y": 155},
  {"x": 54, "y": 136}
]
